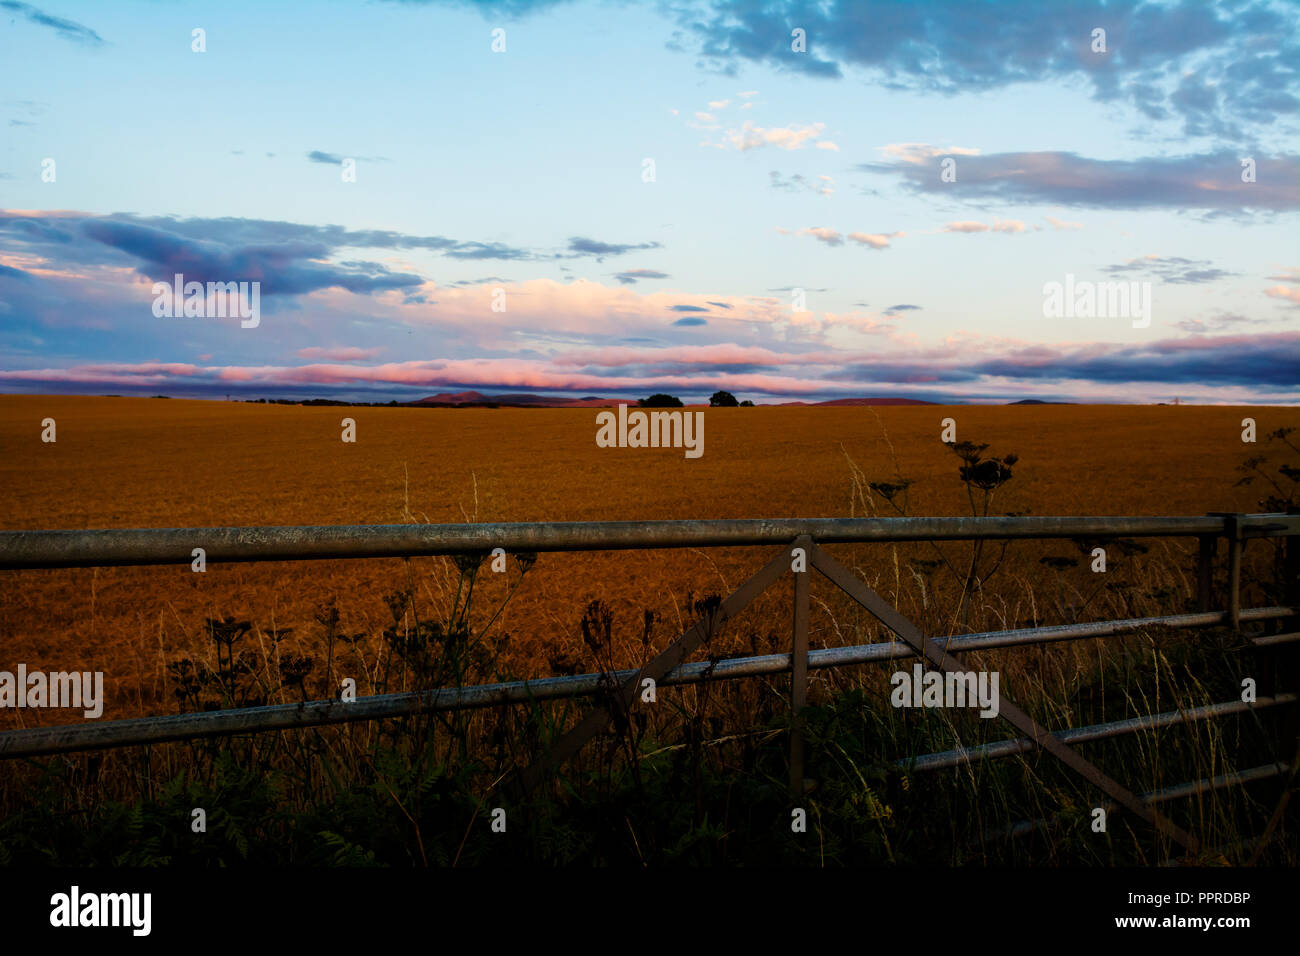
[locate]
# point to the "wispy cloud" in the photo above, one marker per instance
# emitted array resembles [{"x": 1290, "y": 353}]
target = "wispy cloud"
[
  {"x": 999, "y": 225},
  {"x": 340, "y": 354},
  {"x": 336, "y": 159},
  {"x": 1217, "y": 323},
  {"x": 633, "y": 276},
  {"x": 832, "y": 237},
  {"x": 791, "y": 137},
  {"x": 583, "y": 246},
  {"x": 68, "y": 29},
  {"x": 1289, "y": 293},
  {"x": 1175, "y": 269},
  {"x": 1062, "y": 225},
  {"x": 1206, "y": 181},
  {"x": 797, "y": 182},
  {"x": 874, "y": 240}
]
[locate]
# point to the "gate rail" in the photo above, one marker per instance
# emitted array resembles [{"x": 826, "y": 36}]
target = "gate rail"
[
  {"x": 104, "y": 548},
  {"x": 23, "y": 550}
]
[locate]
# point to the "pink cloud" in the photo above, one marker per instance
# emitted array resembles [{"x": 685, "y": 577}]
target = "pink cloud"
[
  {"x": 919, "y": 153},
  {"x": 1008, "y": 367},
  {"x": 712, "y": 355},
  {"x": 1287, "y": 293},
  {"x": 1061, "y": 224},
  {"x": 873, "y": 239},
  {"x": 793, "y": 136},
  {"x": 143, "y": 373},
  {"x": 341, "y": 354},
  {"x": 822, "y": 234}
]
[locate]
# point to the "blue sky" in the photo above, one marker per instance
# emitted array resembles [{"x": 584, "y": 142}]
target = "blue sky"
[{"x": 516, "y": 178}]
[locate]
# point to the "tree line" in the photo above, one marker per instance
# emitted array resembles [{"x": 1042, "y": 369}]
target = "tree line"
[{"x": 719, "y": 399}]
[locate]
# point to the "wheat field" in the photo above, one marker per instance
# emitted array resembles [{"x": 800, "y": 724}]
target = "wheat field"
[{"x": 138, "y": 463}]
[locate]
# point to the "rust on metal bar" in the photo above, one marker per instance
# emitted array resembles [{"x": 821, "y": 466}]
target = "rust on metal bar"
[{"x": 896, "y": 622}]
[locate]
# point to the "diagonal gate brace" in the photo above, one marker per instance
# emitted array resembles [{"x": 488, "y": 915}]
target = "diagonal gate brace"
[
  {"x": 932, "y": 651},
  {"x": 598, "y": 719}
]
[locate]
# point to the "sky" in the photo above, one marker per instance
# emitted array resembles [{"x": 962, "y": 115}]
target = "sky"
[{"x": 787, "y": 201}]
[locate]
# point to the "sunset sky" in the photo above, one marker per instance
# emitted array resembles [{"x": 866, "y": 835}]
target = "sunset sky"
[{"x": 520, "y": 177}]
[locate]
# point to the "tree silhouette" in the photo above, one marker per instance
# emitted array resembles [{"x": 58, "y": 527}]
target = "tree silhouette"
[{"x": 660, "y": 400}]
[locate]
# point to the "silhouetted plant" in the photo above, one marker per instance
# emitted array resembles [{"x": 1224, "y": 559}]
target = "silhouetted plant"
[
  {"x": 986, "y": 475},
  {"x": 1282, "y": 496},
  {"x": 1284, "y": 485}
]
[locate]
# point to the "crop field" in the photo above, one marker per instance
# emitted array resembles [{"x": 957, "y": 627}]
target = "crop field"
[{"x": 130, "y": 462}]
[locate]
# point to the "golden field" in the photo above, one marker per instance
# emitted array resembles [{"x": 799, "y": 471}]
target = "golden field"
[{"x": 128, "y": 462}]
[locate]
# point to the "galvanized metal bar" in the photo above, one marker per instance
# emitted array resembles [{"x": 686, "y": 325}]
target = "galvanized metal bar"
[
  {"x": 1193, "y": 787},
  {"x": 934, "y": 652},
  {"x": 1069, "y": 632},
  {"x": 989, "y": 640},
  {"x": 1205, "y": 571},
  {"x": 598, "y": 719},
  {"x": 799, "y": 666},
  {"x": 98, "y": 735},
  {"x": 121, "y": 733},
  {"x": 143, "y": 546},
  {"x": 1077, "y": 735},
  {"x": 1269, "y": 640}
]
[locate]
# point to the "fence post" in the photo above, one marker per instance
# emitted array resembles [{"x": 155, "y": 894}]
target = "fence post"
[
  {"x": 799, "y": 668},
  {"x": 1205, "y": 571},
  {"x": 1234, "y": 569},
  {"x": 1232, "y": 531}
]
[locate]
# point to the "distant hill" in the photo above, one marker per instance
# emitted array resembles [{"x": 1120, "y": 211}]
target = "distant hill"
[
  {"x": 458, "y": 399},
  {"x": 451, "y": 398},
  {"x": 1039, "y": 401},
  {"x": 470, "y": 399},
  {"x": 862, "y": 401}
]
